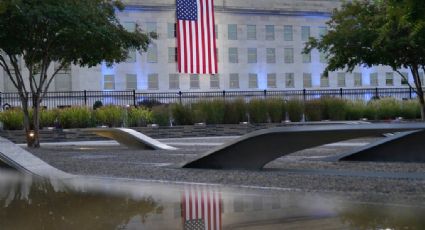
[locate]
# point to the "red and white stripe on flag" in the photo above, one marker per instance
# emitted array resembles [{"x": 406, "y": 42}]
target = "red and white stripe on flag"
[
  {"x": 201, "y": 208},
  {"x": 196, "y": 42}
]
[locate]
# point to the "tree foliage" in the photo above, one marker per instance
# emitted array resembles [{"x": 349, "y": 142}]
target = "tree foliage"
[
  {"x": 372, "y": 33},
  {"x": 47, "y": 32}
]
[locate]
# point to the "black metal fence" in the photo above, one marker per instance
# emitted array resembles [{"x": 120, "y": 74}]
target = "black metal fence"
[{"x": 122, "y": 98}]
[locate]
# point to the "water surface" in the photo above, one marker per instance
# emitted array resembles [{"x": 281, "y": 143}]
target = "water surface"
[{"x": 95, "y": 203}]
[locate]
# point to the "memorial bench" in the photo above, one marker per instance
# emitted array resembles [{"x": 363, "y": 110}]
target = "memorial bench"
[
  {"x": 130, "y": 138},
  {"x": 256, "y": 149}
]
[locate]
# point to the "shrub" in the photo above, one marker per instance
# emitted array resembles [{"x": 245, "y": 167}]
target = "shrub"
[
  {"x": 387, "y": 108},
  {"x": 161, "y": 115},
  {"x": 97, "y": 104},
  {"x": 235, "y": 111},
  {"x": 410, "y": 109},
  {"x": 313, "y": 110},
  {"x": 295, "y": 110},
  {"x": 182, "y": 114},
  {"x": 276, "y": 110},
  {"x": 137, "y": 117},
  {"x": 13, "y": 119},
  {"x": 333, "y": 108},
  {"x": 149, "y": 103},
  {"x": 48, "y": 117},
  {"x": 257, "y": 110},
  {"x": 112, "y": 116},
  {"x": 75, "y": 117},
  {"x": 210, "y": 112},
  {"x": 357, "y": 110}
]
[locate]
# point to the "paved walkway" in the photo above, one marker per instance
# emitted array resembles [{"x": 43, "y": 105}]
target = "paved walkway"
[{"x": 300, "y": 170}]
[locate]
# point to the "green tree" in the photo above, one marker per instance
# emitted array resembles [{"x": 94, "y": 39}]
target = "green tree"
[
  {"x": 40, "y": 34},
  {"x": 372, "y": 33}
]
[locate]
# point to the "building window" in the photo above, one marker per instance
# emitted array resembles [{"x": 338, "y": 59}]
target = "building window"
[
  {"x": 341, "y": 79},
  {"x": 253, "y": 81},
  {"x": 251, "y": 32},
  {"x": 271, "y": 55},
  {"x": 171, "y": 30},
  {"x": 152, "y": 53},
  {"x": 389, "y": 79},
  {"x": 214, "y": 81},
  {"x": 8, "y": 84},
  {"x": 233, "y": 55},
  {"x": 270, "y": 32},
  {"x": 306, "y": 57},
  {"x": 173, "y": 81},
  {"x": 217, "y": 55},
  {"x": 358, "y": 82},
  {"x": 232, "y": 32},
  {"x": 62, "y": 79},
  {"x": 131, "y": 81},
  {"x": 421, "y": 77},
  {"x": 109, "y": 82},
  {"x": 307, "y": 80},
  {"x": 405, "y": 79},
  {"x": 172, "y": 54},
  {"x": 374, "y": 79},
  {"x": 234, "y": 81},
  {"x": 324, "y": 81},
  {"x": 216, "y": 31},
  {"x": 252, "y": 55},
  {"x": 288, "y": 33},
  {"x": 323, "y": 58},
  {"x": 271, "y": 80},
  {"x": 194, "y": 81},
  {"x": 305, "y": 33},
  {"x": 289, "y": 55},
  {"x": 322, "y": 31},
  {"x": 153, "y": 83},
  {"x": 289, "y": 80},
  {"x": 151, "y": 27},
  {"x": 131, "y": 58},
  {"x": 129, "y": 26}
]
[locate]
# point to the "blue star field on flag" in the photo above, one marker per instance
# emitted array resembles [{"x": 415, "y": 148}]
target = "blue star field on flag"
[{"x": 187, "y": 10}]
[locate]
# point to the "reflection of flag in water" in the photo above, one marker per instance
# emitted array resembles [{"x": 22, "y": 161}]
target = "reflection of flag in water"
[{"x": 201, "y": 208}]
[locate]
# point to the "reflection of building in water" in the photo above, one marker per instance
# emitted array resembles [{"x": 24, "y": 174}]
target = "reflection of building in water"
[{"x": 208, "y": 208}]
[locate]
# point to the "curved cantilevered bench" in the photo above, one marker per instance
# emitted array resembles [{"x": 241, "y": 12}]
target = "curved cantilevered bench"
[
  {"x": 15, "y": 157},
  {"x": 401, "y": 147},
  {"x": 254, "y": 150},
  {"x": 130, "y": 138}
]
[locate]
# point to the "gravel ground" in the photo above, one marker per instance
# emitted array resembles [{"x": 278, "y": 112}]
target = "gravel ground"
[{"x": 300, "y": 170}]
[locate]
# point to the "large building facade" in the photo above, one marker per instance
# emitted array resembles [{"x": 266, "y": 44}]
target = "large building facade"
[{"x": 259, "y": 46}]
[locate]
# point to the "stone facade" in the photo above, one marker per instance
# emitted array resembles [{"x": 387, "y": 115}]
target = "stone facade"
[{"x": 266, "y": 53}]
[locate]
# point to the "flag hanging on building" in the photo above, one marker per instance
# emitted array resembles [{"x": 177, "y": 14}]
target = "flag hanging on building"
[
  {"x": 201, "y": 208},
  {"x": 196, "y": 43}
]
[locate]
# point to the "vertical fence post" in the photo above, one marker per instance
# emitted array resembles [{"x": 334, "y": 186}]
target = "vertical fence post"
[
  {"x": 340, "y": 93},
  {"x": 410, "y": 92},
  {"x": 304, "y": 95},
  {"x": 134, "y": 97},
  {"x": 180, "y": 97},
  {"x": 1, "y": 100},
  {"x": 376, "y": 93},
  {"x": 85, "y": 97}
]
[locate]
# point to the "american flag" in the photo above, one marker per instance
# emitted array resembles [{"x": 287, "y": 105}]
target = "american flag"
[
  {"x": 201, "y": 208},
  {"x": 196, "y": 44}
]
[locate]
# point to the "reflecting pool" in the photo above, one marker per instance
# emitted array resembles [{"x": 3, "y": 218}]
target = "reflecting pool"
[{"x": 97, "y": 203}]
